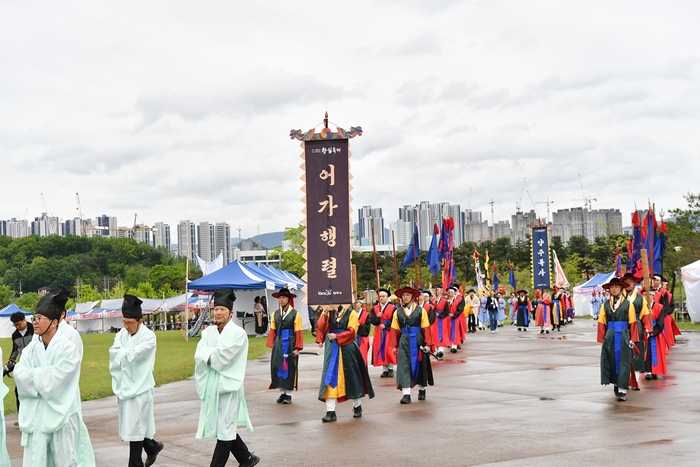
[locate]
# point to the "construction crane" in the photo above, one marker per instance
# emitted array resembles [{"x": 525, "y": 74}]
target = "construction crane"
[
  {"x": 493, "y": 223},
  {"x": 517, "y": 205},
  {"x": 548, "y": 202},
  {"x": 79, "y": 208},
  {"x": 534, "y": 206},
  {"x": 587, "y": 201}
]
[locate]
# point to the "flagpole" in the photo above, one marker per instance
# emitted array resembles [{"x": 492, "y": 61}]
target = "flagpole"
[
  {"x": 415, "y": 254},
  {"x": 374, "y": 249},
  {"x": 396, "y": 267}
]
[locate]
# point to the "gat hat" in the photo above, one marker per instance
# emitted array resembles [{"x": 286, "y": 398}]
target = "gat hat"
[
  {"x": 615, "y": 281},
  {"x": 471, "y": 291},
  {"x": 630, "y": 276},
  {"x": 131, "y": 307},
  {"x": 426, "y": 292},
  {"x": 224, "y": 297},
  {"x": 284, "y": 292},
  {"x": 53, "y": 303},
  {"x": 407, "y": 289},
  {"x": 386, "y": 291},
  {"x": 522, "y": 291}
]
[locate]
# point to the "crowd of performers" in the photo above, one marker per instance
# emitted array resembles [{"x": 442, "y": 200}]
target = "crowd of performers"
[{"x": 636, "y": 335}]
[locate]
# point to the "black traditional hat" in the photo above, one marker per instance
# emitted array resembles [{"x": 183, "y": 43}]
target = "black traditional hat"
[
  {"x": 426, "y": 292},
  {"x": 284, "y": 292},
  {"x": 630, "y": 276},
  {"x": 224, "y": 297},
  {"x": 522, "y": 291},
  {"x": 471, "y": 291},
  {"x": 53, "y": 303},
  {"x": 131, "y": 307},
  {"x": 407, "y": 289},
  {"x": 386, "y": 291},
  {"x": 615, "y": 281}
]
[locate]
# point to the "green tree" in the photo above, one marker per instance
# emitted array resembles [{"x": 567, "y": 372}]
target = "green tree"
[
  {"x": 28, "y": 301},
  {"x": 87, "y": 293},
  {"x": 145, "y": 290},
  {"x": 6, "y": 295},
  {"x": 292, "y": 260},
  {"x": 117, "y": 291}
]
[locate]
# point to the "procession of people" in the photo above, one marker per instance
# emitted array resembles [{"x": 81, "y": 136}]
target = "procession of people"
[{"x": 635, "y": 327}]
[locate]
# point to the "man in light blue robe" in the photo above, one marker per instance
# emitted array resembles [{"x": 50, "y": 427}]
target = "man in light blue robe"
[
  {"x": 53, "y": 434},
  {"x": 131, "y": 361},
  {"x": 4, "y": 456},
  {"x": 220, "y": 361}
]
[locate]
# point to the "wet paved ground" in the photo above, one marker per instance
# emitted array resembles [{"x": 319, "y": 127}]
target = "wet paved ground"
[{"x": 506, "y": 399}]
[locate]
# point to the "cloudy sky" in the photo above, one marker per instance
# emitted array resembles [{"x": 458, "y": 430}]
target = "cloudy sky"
[{"x": 182, "y": 110}]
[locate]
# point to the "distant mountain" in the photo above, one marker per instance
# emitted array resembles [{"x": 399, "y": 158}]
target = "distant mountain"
[{"x": 266, "y": 240}]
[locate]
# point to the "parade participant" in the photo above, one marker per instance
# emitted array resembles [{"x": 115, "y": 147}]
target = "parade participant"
[
  {"x": 655, "y": 359},
  {"x": 21, "y": 337},
  {"x": 47, "y": 375},
  {"x": 425, "y": 302},
  {"x": 345, "y": 374},
  {"x": 4, "y": 455},
  {"x": 131, "y": 361},
  {"x": 363, "y": 327},
  {"x": 483, "y": 313},
  {"x": 410, "y": 338},
  {"x": 617, "y": 331},
  {"x": 492, "y": 308},
  {"x": 556, "y": 309},
  {"x": 641, "y": 312},
  {"x": 524, "y": 308},
  {"x": 596, "y": 302},
  {"x": 455, "y": 306},
  {"x": 501, "y": 309},
  {"x": 570, "y": 310},
  {"x": 442, "y": 330},
  {"x": 473, "y": 303},
  {"x": 219, "y": 369},
  {"x": 543, "y": 316},
  {"x": 670, "y": 328},
  {"x": 513, "y": 302},
  {"x": 381, "y": 316},
  {"x": 286, "y": 340}
]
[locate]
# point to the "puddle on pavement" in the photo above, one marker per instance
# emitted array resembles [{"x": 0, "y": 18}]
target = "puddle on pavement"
[
  {"x": 452, "y": 360},
  {"x": 547, "y": 398},
  {"x": 658, "y": 441}
]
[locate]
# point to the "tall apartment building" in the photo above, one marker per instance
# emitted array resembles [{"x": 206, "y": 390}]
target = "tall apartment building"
[
  {"x": 368, "y": 217},
  {"x": 521, "y": 225},
  {"x": 222, "y": 241},
  {"x": 18, "y": 228},
  {"x": 186, "y": 236},
  {"x": 161, "y": 235},
  {"x": 592, "y": 224},
  {"x": 426, "y": 215},
  {"x": 205, "y": 241}
]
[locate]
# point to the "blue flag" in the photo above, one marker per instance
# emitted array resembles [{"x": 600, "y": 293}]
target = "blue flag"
[
  {"x": 494, "y": 279},
  {"x": 511, "y": 276},
  {"x": 413, "y": 249},
  {"x": 432, "y": 259}
]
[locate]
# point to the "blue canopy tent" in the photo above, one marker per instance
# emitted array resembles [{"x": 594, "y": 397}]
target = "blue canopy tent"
[
  {"x": 300, "y": 283},
  {"x": 235, "y": 275},
  {"x": 266, "y": 273},
  {"x": 6, "y": 326},
  {"x": 583, "y": 292}
]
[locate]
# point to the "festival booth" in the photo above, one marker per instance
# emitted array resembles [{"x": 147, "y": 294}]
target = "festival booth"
[
  {"x": 249, "y": 281},
  {"x": 90, "y": 322},
  {"x": 6, "y": 326},
  {"x": 584, "y": 292},
  {"x": 691, "y": 285}
]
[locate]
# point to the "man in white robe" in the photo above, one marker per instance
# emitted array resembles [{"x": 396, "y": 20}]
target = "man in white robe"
[
  {"x": 131, "y": 361},
  {"x": 4, "y": 456},
  {"x": 220, "y": 361},
  {"x": 53, "y": 434}
]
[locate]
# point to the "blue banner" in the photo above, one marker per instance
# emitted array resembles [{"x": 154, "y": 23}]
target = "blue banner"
[{"x": 541, "y": 263}]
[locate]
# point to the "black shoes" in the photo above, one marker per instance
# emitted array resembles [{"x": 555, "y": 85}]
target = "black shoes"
[
  {"x": 387, "y": 374},
  {"x": 621, "y": 397},
  {"x": 253, "y": 460},
  {"x": 421, "y": 394},
  {"x": 284, "y": 399},
  {"x": 542, "y": 331},
  {"x": 406, "y": 399},
  {"x": 439, "y": 354},
  {"x": 647, "y": 376},
  {"x": 547, "y": 331},
  {"x": 151, "y": 458},
  {"x": 453, "y": 350},
  {"x": 357, "y": 412},
  {"x": 330, "y": 417},
  {"x": 616, "y": 390}
]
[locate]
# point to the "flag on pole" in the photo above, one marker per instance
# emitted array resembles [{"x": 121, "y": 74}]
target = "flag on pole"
[
  {"x": 445, "y": 253},
  {"x": 432, "y": 259},
  {"x": 618, "y": 263},
  {"x": 413, "y": 249},
  {"x": 511, "y": 276},
  {"x": 560, "y": 277},
  {"x": 494, "y": 279},
  {"x": 479, "y": 279}
]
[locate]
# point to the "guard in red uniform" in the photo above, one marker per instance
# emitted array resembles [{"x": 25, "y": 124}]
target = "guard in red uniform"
[
  {"x": 381, "y": 315},
  {"x": 442, "y": 331}
]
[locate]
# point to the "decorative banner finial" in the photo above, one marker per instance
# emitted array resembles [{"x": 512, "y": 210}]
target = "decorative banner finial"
[{"x": 325, "y": 120}]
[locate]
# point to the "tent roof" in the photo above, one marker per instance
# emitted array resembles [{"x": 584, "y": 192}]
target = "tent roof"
[
  {"x": 234, "y": 275},
  {"x": 691, "y": 272},
  {"x": 597, "y": 280},
  {"x": 278, "y": 280},
  {"x": 300, "y": 283},
  {"x": 12, "y": 308}
]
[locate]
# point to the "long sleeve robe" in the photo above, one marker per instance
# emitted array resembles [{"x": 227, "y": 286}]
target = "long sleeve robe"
[
  {"x": 131, "y": 362},
  {"x": 219, "y": 369},
  {"x": 4, "y": 456},
  {"x": 47, "y": 383}
]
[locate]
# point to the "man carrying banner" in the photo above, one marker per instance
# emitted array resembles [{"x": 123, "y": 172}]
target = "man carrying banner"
[
  {"x": 381, "y": 315},
  {"x": 455, "y": 304},
  {"x": 473, "y": 303},
  {"x": 655, "y": 361},
  {"x": 524, "y": 308},
  {"x": 411, "y": 340},
  {"x": 617, "y": 331},
  {"x": 442, "y": 329},
  {"x": 543, "y": 314},
  {"x": 363, "y": 328},
  {"x": 286, "y": 340},
  {"x": 344, "y": 373},
  {"x": 643, "y": 326}
]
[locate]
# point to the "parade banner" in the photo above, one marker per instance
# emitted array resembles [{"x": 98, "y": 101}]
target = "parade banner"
[
  {"x": 327, "y": 207},
  {"x": 540, "y": 256}
]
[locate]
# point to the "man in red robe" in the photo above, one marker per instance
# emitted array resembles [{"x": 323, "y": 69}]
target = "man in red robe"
[
  {"x": 442, "y": 331},
  {"x": 455, "y": 303},
  {"x": 655, "y": 361},
  {"x": 381, "y": 315}
]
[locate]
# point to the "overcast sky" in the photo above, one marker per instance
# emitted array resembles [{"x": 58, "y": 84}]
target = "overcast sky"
[{"x": 182, "y": 110}]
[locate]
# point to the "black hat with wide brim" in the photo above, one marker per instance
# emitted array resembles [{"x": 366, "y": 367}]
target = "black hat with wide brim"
[{"x": 284, "y": 292}]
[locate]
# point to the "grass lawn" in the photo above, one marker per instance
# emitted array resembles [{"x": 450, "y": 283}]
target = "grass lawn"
[{"x": 174, "y": 362}]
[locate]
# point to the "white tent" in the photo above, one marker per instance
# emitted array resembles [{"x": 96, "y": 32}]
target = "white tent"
[
  {"x": 6, "y": 326},
  {"x": 691, "y": 284},
  {"x": 584, "y": 292}
]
